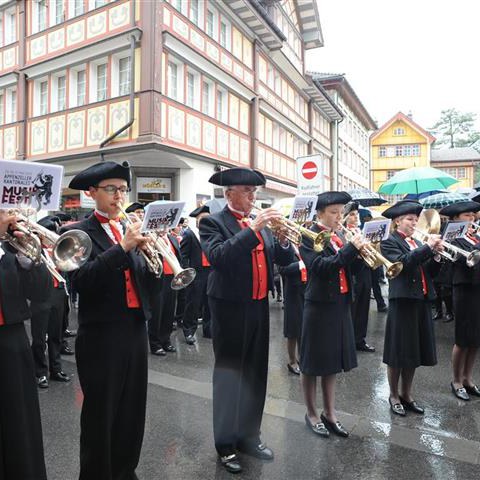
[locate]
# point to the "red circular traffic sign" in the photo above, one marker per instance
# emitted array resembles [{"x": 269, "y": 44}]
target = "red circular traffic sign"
[{"x": 309, "y": 170}]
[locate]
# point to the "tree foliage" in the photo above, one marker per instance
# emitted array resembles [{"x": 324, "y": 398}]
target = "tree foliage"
[{"x": 455, "y": 129}]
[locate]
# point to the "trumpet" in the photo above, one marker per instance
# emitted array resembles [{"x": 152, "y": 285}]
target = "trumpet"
[
  {"x": 69, "y": 250},
  {"x": 160, "y": 249},
  {"x": 373, "y": 258}
]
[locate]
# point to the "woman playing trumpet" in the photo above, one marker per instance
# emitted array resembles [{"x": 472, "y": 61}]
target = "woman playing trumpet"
[
  {"x": 327, "y": 344},
  {"x": 409, "y": 335},
  {"x": 466, "y": 290}
]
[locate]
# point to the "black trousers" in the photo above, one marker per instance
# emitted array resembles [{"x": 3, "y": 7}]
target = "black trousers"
[
  {"x": 377, "y": 274},
  {"x": 160, "y": 325},
  {"x": 48, "y": 321},
  {"x": 196, "y": 304},
  {"x": 362, "y": 286},
  {"x": 112, "y": 369},
  {"x": 240, "y": 333},
  {"x": 21, "y": 444}
]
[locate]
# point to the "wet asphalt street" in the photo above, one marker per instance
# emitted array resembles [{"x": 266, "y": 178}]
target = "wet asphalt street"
[{"x": 178, "y": 443}]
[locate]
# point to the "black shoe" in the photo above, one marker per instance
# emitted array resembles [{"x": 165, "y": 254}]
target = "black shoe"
[
  {"x": 279, "y": 299},
  {"x": 169, "y": 348},
  {"x": 472, "y": 390},
  {"x": 66, "y": 350},
  {"x": 160, "y": 352},
  {"x": 413, "y": 406},
  {"x": 365, "y": 347},
  {"x": 335, "y": 427},
  {"x": 231, "y": 463},
  {"x": 259, "y": 450},
  {"x": 382, "y": 309},
  {"x": 42, "y": 382},
  {"x": 437, "y": 316},
  {"x": 69, "y": 333},
  {"x": 190, "y": 339},
  {"x": 293, "y": 369},
  {"x": 60, "y": 377},
  {"x": 397, "y": 408},
  {"x": 460, "y": 393},
  {"x": 317, "y": 428},
  {"x": 448, "y": 318}
]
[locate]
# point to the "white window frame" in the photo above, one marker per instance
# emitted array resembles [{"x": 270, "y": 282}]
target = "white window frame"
[
  {"x": 180, "y": 5},
  {"x": 73, "y": 86},
  {"x": 53, "y": 7},
  {"x": 221, "y": 110},
  {"x": 208, "y": 104},
  {"x": 175, "y": 92},
  {"x": 10, "y": 113},
  {"x": 92, "y": 90},
  {"x": 92, "y": 4},
  {"x": 200, "y": 21},
  {"x": 72, "y": 5},
  {"x": 227, "y": 43},
  {"x": 211, "y": 9},
  {"x": 196, "y": 101},
  {"x": 10, "y": 26},
  {"x": 1, "y": 29},
  {"x": 2, "y": 107},
  {"x": 36, "y": 26},
  {"x": 115, "y": 81},
  {"x": 37, "y": 96},
  {"x": 54, "y": 97}
]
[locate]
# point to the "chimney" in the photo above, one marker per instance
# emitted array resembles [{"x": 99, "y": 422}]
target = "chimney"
[{"x": 410, "y": 115}]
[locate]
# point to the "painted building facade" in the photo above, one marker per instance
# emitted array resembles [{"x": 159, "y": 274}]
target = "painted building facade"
[{"x": 179, "y": 88}]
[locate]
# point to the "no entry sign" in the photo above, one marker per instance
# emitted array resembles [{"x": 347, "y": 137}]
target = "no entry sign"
[{"x": 310, "y": 174}]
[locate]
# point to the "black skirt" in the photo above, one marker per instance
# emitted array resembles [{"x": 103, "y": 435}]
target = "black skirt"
[
  {"x": 467, "y": 316},
  {"x": 327, "y": 344},
  {"x": 409, "y": 334},
  {"x": 293, "y": 298}
]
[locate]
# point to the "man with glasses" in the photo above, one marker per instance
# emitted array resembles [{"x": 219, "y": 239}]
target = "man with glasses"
[
  {"x": 241, "y": 252},
  {"x": 111, "y": 345}
]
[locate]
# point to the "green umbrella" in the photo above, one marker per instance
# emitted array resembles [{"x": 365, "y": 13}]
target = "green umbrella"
[{"x": 417, "y": 180}]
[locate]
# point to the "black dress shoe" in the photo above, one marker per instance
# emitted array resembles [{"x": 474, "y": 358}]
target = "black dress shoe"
[
  {"x": 397, "y": 408},
  {"x": 60, "y": 377},
  {"x": 259, "y": 450},
  {"x": 413, "y": 406},
  {"x": 160, "y": 352},
  {"x": 231, "y": 463},
  {"x": 365, "y": 347},
  {"x": 190, "y": 339},
  {"x": 382, "y": 309},
  {"x": 69, "y": 333},
  {"x": 43, "y": 382},
  {"x": 169, "y": 348},
  {"x": 448, "y": 318},
  {"x": 66, "y": 350},
  {"x": 335, "y": 427},
  {"x": 293, "y": 369},
  {"x": 437, "y": 316},
  {"x": 460, "y": 393},
  {"x": 472, "y": 390},
  {"x": 317, "y": 428}
]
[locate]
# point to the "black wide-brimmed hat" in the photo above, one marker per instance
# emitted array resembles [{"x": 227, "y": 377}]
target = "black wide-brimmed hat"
[
  {"x": 238, "y": 176},
  {"x": 201, "y": 209},
  {"x": 460, "y": 207},
  {"x": 64, "y": 217},
  {"x": 332, "y": 198},
  {"x": 403, "y": 207},
  {"x": 92, "y": 176},
  {"x": 350, "y": 207},
  {"x": 135, "y": 206},
  {"x": 50, "y": 222}
]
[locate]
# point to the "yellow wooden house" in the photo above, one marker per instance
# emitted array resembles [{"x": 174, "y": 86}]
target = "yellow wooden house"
[{"x": 398, "y": 144}]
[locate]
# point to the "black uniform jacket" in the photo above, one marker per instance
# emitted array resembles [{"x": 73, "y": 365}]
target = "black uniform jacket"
[
  {"x": 17, "y": 284},
  {"x": 293, "y": 273},
  {"x": 100, "y": 282},
  {"x": 228, "y": 248},
  {"x": 408, "y": 284},
  {"x": 462, "y": 274},
  {"x": 323, "y": 269},
  {"x": 191, "y": 250}
]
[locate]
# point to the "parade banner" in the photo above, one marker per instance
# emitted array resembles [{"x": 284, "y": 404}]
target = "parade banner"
[
  {"x": 162, "y": 215},
  {"x": 303, "y": 209},
  {"x": 377, "y": 230},
  {"x": 455, "y": 230},
  {"x": 43, "y": 182}
]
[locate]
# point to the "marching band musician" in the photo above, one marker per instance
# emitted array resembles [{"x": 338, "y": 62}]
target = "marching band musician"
[
  {"x": 328, "y": 344},
  {"x": 241, "y": 252},
  {"x": 361, "y": 284},
  {"x": 409, "y": 333},
  {"x": 111, "y": 345},
  {"x": 466, "y": 291},
  {"x": 21, "y": 444}
]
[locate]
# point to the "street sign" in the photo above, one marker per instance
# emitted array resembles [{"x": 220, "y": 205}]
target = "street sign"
[{"x": 310, "y": 175}]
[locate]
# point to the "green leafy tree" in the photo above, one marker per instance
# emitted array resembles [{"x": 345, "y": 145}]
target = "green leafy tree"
[{"x": 455, "y": 129}]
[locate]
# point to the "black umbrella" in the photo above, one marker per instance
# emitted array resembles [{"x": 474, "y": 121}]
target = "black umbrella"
[{"x": 366, "y": 197}]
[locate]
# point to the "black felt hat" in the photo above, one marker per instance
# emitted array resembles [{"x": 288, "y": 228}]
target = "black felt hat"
[
  {"x": 50, "y": 222},
  {"x": 403, "y": 207},
  {"x": 350, "y": 207},
  {"x": 199, "y": 210},
  {"x": 332, "y": 198},
  {"x": 238, "y": 176},
  {"x": 460, "y": 207},
  {"x": 93, "y": 175},
  {"x": 135, "y": 206},
  {"x": 64, "y": 217}
]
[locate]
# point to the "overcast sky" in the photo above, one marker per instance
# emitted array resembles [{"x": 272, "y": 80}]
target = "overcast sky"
[{"x": 418, "y": 55}]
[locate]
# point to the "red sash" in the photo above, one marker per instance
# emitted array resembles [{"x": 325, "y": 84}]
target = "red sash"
[{"x": 337, "y": 241}]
